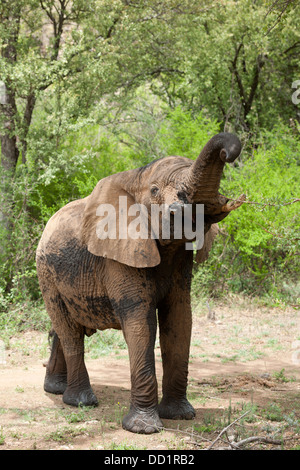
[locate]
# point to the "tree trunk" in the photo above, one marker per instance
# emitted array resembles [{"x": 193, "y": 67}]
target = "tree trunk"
[
  {"x": 9, "y": 147},
  {"x": 9, "y": 159},
  {"x": 10, "y": 17},
  {"x": 30, "y": 104}
]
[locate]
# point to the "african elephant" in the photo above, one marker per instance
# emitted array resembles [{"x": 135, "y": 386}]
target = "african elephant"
[{"x": 89, "y": 282}]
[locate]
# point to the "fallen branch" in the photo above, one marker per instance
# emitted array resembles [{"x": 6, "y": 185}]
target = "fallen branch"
[
  {"x": 226, "y": 429},
  {"x": 261, "y": 440}
]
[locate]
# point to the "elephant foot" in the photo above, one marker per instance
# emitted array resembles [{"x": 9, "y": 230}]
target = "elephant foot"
[
  {"x": 142, "y": 421},
  {"x": 55, "y": 383},
  {"x": 84, "y": 397},
  {"x": 176, "y": 409}
]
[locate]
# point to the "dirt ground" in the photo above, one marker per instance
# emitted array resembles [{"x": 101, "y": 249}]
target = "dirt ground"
[{"x": 244, "y": 373}]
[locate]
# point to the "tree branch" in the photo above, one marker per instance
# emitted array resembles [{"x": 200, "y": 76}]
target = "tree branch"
[
  {"x": 226, "y": 429},
  {"x": 30, "y": 104},
  {"x": 236, "y": 73},
  {"x": 153, "y": 73},
  {"x": 264, "y": 204},
  {"x": 285, "y": 4},
  {"x": 257, "y": 69},
  {"x": 294, "y": 46},
  {"x": 262, "y": 440},
  {"x": 247, "y": 101}
]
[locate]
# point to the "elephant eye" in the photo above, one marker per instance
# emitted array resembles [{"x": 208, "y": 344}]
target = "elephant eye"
[{"x": 154, "y": 190}]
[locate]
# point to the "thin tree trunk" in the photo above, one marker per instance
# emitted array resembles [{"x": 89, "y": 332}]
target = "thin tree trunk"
[
  {"x": 9, "y": 147},
  {"x": 10, "y": 18},
  {"x": 30, "y": 104},
  {"x": 245, "y": 100}
]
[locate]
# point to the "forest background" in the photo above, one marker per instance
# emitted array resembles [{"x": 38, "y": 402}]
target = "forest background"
[{"x": 93, "y": 88}]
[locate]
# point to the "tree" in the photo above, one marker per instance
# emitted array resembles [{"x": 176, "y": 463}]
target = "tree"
[
  {"x": 28, "y": 66},
  {"x": 60, "y": 59},
  {"x": 239, "y": 64},
  {"x": 93, "y": 48}
]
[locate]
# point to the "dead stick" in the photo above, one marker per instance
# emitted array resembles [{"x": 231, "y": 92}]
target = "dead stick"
[
  {"x": 226, "y": 429},
  {"x": 264, "y": 440}
]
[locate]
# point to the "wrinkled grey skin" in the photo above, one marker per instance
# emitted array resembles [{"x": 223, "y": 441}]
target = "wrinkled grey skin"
[{"x": 88, "y": 284}]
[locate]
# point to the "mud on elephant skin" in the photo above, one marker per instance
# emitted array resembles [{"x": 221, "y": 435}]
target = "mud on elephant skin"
[{"x": 90, "y": 281}]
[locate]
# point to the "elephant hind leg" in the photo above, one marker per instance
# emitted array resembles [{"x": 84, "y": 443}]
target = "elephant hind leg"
[
  {"x": 56, "y": 372},
  {"x": 66, "y": 372}
]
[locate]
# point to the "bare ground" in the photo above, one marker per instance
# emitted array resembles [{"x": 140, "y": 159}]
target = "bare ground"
[{"x": 246, "y": 360}]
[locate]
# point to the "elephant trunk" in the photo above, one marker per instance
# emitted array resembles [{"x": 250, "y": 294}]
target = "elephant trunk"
[{"x": 206, "y": 172}]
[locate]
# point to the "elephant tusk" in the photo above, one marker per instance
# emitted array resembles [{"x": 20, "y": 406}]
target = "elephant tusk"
[{"x": 234, "y": 204}]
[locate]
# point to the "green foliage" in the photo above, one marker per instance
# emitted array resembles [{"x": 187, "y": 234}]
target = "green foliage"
[
  {"x": 20, "y": 231},
  {"x": 104, "y": 342},
  {"x": 16, "y": 317},
  {"x": 257, "y": 249},
  {"x": 184, "y": 134},
  {"x": 124, "y": 83},
  {"x": 2, "y": 437},
  {"x": 239, "y": 63},
  {"x": 265, "y": 234},
  {"x": 273, "y": 412}
]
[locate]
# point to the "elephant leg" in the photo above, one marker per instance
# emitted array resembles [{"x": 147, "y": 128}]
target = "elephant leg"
[
  {"x": 56, "y": 372},
  {"x": 140, "y": 332},
  {"x": 67, "y": 352},
  {"x": 78, "y": 391},
  {"x": 175, "y": 323}
]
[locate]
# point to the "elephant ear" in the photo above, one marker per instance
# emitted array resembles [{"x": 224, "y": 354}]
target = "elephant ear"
[
  {"x": 203, "y": 253},
  {"x": 105, "y": 226}
]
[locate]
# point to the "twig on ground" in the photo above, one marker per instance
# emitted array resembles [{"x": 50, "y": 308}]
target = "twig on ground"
[
  {"x": 262, "y": 440},
  {"x": 226, "y": 429}
]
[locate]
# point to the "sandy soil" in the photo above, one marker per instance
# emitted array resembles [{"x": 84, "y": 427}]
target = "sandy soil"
[{"x": 247, "y": 358}]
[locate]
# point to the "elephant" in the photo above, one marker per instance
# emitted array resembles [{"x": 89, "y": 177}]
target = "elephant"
[{"x": 90, "y": 283}]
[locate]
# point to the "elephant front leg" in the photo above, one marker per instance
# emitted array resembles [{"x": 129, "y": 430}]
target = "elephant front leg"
[
  {"x": 175, "y": 323},
  {"x": 140, "y": 332}
]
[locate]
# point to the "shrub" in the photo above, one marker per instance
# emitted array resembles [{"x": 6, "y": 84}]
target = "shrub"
[{"x": 257, "y": 249}]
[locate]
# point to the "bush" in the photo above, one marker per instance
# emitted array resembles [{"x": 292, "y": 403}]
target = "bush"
[{"x": 257, "y": 250}]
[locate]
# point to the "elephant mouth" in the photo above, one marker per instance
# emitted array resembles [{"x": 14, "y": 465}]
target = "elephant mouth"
[{"x": 213, "y": 212}]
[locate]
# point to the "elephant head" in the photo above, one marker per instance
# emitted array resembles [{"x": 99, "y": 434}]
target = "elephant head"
[{"x": 171, "y": 181}]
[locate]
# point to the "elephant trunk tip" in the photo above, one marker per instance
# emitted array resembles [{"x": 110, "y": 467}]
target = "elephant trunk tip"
[{"x": 231, "y": 147}]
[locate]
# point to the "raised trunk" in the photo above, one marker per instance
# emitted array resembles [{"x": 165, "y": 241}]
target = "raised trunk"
[{"x": 206, "y": 172}]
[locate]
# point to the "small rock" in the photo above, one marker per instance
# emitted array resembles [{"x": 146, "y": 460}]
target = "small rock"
[{"x": 266, "y": 376}]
